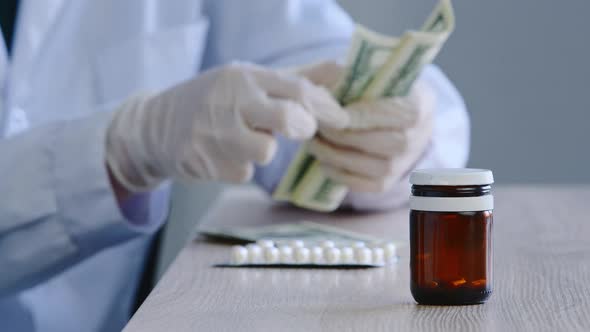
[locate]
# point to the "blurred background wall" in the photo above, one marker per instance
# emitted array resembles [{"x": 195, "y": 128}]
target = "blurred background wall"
[{"x": 523, "y": 68}]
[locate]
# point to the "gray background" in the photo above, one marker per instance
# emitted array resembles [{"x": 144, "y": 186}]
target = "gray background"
[{"x": 523, "y": 69}]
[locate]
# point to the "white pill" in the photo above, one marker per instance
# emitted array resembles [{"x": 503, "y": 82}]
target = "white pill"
[
  {"x": 286, "y": 255},
  {"x": 378, "y": 256},
  {"x": 332, "y": 256},
  {"x": 254, "y": 254},
  {"x": 317, "y": 255},
  {"x": 239, "y": 255},
  {"x": 296, "y": 243},
  {"x": 363, "y": 256},
  {"x": 265, "y": 243},
  {"x": 271, "y": 255},
  {"x": 390, "y": 251},
  {"x": 327, "y": 244},
  {"x": 302, "y": 255},
  {"x": 347, "y": 255},
  {"x": 358, "y": 244}
]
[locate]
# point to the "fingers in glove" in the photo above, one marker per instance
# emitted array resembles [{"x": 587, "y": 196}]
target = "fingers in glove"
[
  {"x": 385, "y": 143},
  {"x": 326, "y": 73},
  {"x": 200, "y": 163},
  {"x": 251, "y": 145},
  {"x": 281, "y": 116},
  {"x": 235, "y": 172},
  {"x": 315, "y": 99},
  {"x": 350, "y": 160},
  {"x": 395, "y": 113},
  {"x": 357, "y": 182}
]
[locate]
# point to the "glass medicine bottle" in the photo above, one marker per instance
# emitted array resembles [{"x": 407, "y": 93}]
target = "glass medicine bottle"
[{"x": 451, "y": 236}]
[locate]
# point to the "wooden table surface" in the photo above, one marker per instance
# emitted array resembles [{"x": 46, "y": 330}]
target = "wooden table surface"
[{"x": 541, "y": 275}]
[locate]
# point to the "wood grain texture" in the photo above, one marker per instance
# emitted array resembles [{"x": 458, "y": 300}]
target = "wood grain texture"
[{"x": 541, "y": 275}]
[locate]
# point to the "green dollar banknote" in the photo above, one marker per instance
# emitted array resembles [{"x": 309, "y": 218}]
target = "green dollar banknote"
[
  {"x": 307, "y": 231},
  {"x": 377, "y": 66}
]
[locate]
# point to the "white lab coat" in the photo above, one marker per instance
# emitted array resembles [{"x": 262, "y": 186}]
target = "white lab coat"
[{"x": 69, "y": 260}]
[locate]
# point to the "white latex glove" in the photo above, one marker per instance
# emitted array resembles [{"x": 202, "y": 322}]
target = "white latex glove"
[
  {"x": 385, "y": 138},
  {"x": 215, "y": 126}
]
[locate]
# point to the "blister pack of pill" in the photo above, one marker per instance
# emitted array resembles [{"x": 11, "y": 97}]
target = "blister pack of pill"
[{"x": 297, "y": 253}]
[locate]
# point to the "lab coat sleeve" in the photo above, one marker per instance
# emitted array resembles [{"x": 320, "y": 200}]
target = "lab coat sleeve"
[{"x": 56, "y": 203}]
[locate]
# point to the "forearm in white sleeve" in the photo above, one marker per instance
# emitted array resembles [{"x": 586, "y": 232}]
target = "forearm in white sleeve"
[
  {"x": 56, "y": 204},
  {"x": 449, "y": 146}
]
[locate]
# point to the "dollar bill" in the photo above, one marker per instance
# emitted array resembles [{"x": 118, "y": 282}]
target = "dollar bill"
[
  {"x": 295, "y": 172},
  {"x": 397, "y": 76},
  {"x": 308, "y": 231},
  {"x": 368, "y": 53},
  {"x": 442, "y": 19},
  {"x": 377, "y": 66},
  {"x": 416, "y": 49}
]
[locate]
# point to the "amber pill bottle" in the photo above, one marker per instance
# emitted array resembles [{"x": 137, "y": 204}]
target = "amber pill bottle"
[{"x": 451, "y": 236}]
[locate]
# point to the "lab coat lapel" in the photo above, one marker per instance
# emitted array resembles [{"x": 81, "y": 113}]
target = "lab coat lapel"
[
  {"x": 3, "y": 80},
  {"x": 36, "y": 22}
]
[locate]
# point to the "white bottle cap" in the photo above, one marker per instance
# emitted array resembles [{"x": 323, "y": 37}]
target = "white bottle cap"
[{"x": 451, "y": 177}]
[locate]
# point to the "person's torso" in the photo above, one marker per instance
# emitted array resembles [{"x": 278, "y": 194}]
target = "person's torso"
[{"x": 69, "y": 58}]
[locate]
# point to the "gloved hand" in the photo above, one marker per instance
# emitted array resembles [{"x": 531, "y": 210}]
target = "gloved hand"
[
  {"x": 215, "y": 126},
  {"x": 384, "y": 139}
]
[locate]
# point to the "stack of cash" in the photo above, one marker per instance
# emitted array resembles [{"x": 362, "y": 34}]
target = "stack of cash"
[{"x": 378, "y": 66}]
